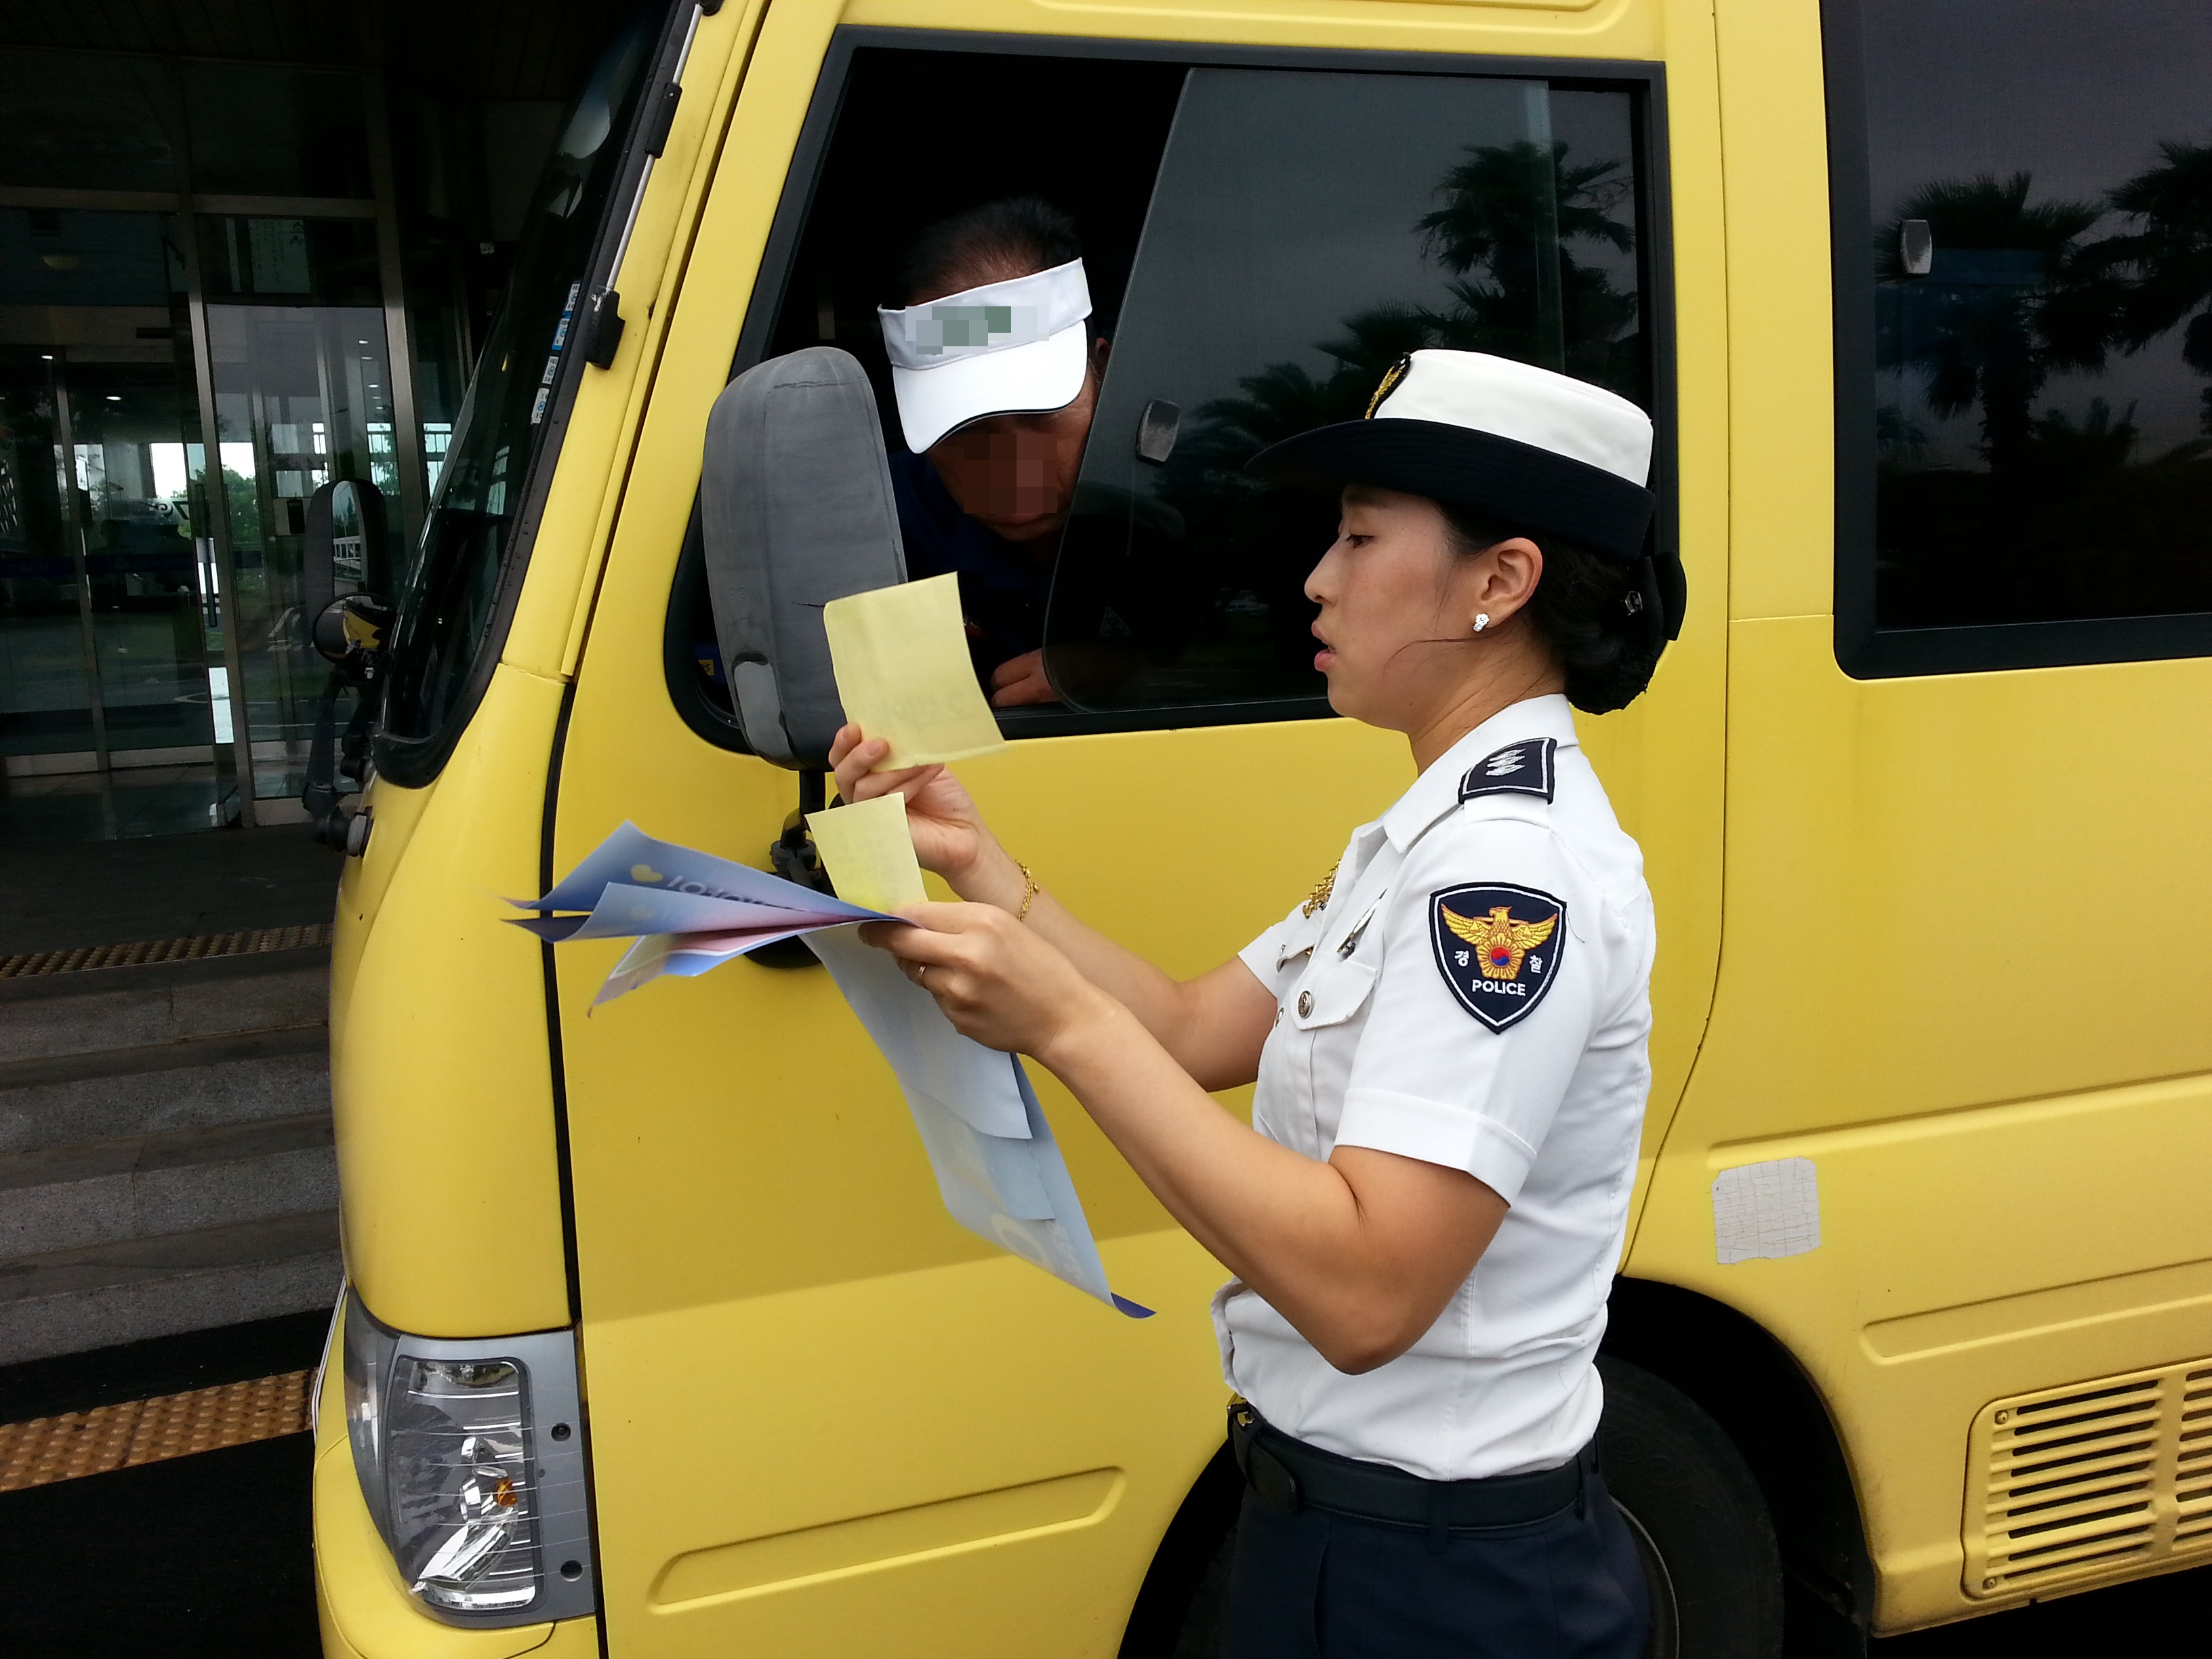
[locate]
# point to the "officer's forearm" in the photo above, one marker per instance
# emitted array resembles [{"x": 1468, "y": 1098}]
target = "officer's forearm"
[
  {"x": 1360, "y": 1255},
  {"x": 1212, "y": 1031}
]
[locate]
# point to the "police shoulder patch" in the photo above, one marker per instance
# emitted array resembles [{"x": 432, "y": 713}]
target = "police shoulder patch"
[
  {"x": 1498, "y": 946},
  {"x": 1519, "y": 768}
]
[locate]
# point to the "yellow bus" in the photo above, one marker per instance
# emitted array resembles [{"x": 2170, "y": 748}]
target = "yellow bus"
[{"x": 657, "y": 1340}]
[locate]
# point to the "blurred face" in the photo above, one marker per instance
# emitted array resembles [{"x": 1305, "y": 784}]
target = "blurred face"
[
  {"x": 1398, "y": 605},
  {"x": 1016, "y": 473}
]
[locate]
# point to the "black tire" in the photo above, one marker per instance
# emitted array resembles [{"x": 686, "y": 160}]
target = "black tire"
[
  {"x": 1710, "y": 1558},
  {"x": 1711, "y": 1563}
]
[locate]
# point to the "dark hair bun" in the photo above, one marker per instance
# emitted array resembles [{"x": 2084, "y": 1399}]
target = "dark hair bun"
[{"x": 1593, "y": 612}]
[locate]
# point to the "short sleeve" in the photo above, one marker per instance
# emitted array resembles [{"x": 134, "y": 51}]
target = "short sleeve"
[
  {"x": 1265, "y": 954},
  {"x": 1491, "y": 981}
]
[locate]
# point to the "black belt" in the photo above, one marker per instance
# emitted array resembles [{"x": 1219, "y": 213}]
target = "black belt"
[{"x": 1290, "y": 1476}]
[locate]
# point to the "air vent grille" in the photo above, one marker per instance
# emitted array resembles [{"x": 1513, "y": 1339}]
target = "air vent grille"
[{"x": 2078, "y": 1482}]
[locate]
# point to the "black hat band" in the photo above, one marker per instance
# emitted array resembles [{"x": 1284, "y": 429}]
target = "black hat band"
[{"x": 1524, "y": 487}]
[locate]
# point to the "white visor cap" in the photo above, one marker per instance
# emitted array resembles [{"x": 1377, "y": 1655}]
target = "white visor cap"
[
  {"x": 1532, "y": 405},
  {"x": 1012, "y": 348}
]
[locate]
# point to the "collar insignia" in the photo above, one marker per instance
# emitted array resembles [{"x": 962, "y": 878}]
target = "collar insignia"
[
  {"x": 1498, "y": 947},
  {"x": 1318, "y": 899},
  {"x": 1519, "y": 768}
]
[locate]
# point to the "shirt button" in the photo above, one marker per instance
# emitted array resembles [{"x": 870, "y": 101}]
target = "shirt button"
[{"x": 1305, "y": 1005}]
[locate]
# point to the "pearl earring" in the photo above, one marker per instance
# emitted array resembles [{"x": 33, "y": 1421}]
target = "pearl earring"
[{"x": 1481, "y": 621}]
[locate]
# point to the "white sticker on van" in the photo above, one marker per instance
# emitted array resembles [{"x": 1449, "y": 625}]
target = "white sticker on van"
[{"x": 1766, "y": 1211}]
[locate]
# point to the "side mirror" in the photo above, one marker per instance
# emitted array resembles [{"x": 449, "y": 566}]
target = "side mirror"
[
  {"x": 349, "y": 633},
  {"x": 797, "y": 511},
  {"x": 344, "y": 544}
]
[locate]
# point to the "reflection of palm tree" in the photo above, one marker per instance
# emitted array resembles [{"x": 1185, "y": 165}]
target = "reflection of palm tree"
[
  {"x": 2067, "y": 522},
  {"x": 1511, "y": 212},
  {"x": 2169, "y": 258},
  {"x": 1517, "y": 291},
  {"x": 2037, "y": 305}
]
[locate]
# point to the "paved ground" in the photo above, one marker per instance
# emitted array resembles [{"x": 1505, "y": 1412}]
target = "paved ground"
[
  {"x": 117, "y": 892},
  {"x": 204, "y": 1555},
  {"x": 210, "y": 1555}
]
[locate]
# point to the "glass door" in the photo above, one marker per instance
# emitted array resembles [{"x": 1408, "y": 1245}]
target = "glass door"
[
  {"x": 303, "y": 397},
  {"x": 111, "y": 719}
]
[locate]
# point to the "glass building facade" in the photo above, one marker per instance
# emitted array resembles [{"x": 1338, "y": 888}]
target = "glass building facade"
[{"x": 232, "y": 269}]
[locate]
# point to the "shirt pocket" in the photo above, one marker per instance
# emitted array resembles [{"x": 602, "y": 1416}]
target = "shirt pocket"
[{"x": 1330, "y": 993}]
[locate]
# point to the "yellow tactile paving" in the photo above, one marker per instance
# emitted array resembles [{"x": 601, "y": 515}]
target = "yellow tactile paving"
[
  {"x": 247, "y": 942},
  {"x": 49, "y": 1449}
]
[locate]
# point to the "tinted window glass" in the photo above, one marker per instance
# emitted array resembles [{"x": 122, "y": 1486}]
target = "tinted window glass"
[
  {"x": 450, "y": 596},
  {"x": 289, "y": 261},
  {"x": 1307, "y": 229},
  {"x": 261, "y": 130},
  {"x": 85, "y": 122},
  {"x": 2039, "y": 181},
  {"x": 1261, "y": 245}
]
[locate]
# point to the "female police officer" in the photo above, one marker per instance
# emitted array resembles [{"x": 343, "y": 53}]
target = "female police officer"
[{"x": 1448, "y": 1038}]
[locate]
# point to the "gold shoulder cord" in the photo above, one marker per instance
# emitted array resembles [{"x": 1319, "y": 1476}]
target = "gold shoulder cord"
[
  {"x": 1319, "y": 897},
  {"x": 1029, "y": 891}
]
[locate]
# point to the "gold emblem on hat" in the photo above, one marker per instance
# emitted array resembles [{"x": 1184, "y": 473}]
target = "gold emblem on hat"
[{"x": 1391, "y": 377}]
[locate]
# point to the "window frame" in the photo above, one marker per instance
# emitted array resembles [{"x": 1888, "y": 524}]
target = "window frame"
[
  {"x": 1864, "y": 651},
  {"x": 1645, "y": 80}
]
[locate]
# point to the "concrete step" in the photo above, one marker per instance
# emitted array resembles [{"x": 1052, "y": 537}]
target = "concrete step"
[
  {"x": 69, "y": 1301},
  {"x": 68, "y": 1198},
  {"x": 115, "y": 1093},
  {"x": 50, "y": 1016},
  {"x": 166, "y": 1162}
]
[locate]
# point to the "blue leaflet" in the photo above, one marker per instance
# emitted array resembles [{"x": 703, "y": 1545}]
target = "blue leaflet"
[
  {"x": 689, "y": 911},
  {"x": 997, "y": 1168},
  {"x": 632, "y": 857}
]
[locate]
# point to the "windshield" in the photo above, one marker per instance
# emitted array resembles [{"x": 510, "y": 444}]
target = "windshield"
[{"x": 449, "y": 600}]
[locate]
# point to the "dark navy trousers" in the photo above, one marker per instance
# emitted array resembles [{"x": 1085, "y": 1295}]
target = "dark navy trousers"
[{"x": 1317, "y": 1585}]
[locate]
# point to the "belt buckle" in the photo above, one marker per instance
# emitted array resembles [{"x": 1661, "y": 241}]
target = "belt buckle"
[{"x": 1270, "y": 1481}]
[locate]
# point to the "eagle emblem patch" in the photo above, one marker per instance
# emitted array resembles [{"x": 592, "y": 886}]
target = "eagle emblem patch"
[{"x": 1498, "y": 947}]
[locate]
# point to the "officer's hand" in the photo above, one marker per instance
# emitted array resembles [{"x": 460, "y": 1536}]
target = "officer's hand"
[
  {"x": 997, "y": 980},
  {"x": 1021, "y": 680},
  {"x": 949, "y": 836}
]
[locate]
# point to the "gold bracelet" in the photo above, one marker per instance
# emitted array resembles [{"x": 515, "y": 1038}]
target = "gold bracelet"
[{"x": 1029, "y": 891}]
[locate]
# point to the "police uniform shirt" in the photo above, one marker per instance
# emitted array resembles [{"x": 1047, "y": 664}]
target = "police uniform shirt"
[{"x": 1473, "y": 992}]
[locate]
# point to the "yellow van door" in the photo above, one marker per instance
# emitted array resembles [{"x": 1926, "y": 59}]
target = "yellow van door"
[
  {"x": 1969, "y": 917},
  {"x": 823, "y": 1418}
]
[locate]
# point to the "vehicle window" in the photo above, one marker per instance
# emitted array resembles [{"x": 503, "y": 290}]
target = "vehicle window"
[
  {"x": 2027, "y": 390},
  {"x": 471, "y": 545},
  {"x": 1309, "y": 228},
  {"x": 1260, "y": 245},
  {"x": 1082, "y": 133}
]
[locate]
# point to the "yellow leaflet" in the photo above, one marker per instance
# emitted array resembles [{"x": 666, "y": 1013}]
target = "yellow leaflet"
[
  {"x": 903, "y": 673},
  {"x": 868, "y": 853}
]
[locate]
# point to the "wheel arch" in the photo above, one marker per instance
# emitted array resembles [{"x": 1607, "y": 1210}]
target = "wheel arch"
[{"x": 1745, "y": 1379}]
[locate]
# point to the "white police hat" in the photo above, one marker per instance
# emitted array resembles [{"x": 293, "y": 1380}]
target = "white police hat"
[
  {"x": 1531, "y": 449},
  {"x": 1017, "y": 347}
]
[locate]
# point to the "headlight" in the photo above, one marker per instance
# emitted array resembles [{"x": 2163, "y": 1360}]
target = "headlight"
[{"x": 470, "y": 1456}]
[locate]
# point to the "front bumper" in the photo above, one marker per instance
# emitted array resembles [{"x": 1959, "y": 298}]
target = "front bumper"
[{"x": 366, "y": 1612}]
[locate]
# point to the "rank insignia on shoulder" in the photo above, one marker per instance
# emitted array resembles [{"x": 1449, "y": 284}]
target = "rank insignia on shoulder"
[
  {"x": 1498, "y": 947},
  {"x": 1519, "y": 768}
]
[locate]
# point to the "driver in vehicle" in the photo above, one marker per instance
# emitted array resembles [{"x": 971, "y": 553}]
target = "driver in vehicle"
[{"x": 995, "y": 369}]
